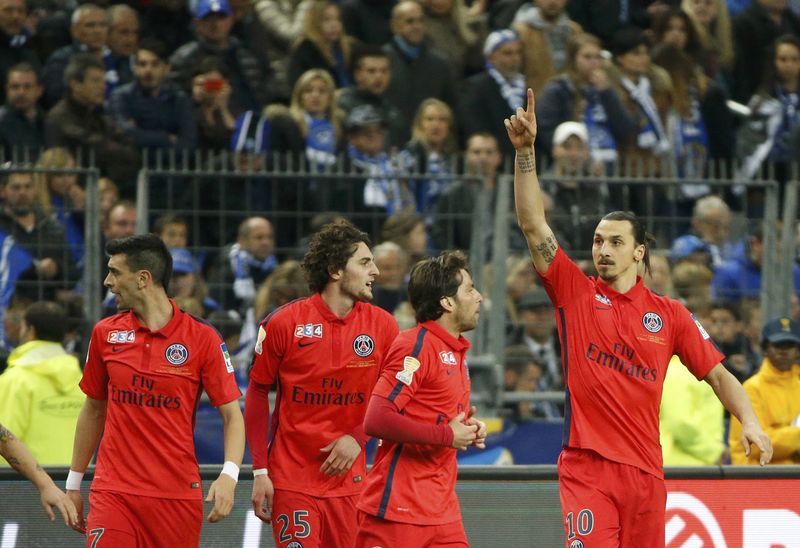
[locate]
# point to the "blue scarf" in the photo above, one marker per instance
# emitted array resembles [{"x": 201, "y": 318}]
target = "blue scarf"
[
  {"x": 74, "y": 232},
  {"x": 320, "y": 143},
  {"x": 602, "y": 145},
  {"x": 409, "y": 50},
  {"x": 513, "y": 91},
  {"x": 381, "y": 189},
  {"x": 14, "y": 260},
  {"x": 790, "y": 116},
  {"x": 242, "y": 263},
  {"x": 340, "y": 71},
  {"x": 652, "y": 135},
  {"x": 691, "y": 140},
  {"x": 426, "y": 191}
]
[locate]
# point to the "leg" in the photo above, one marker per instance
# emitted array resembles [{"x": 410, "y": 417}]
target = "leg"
[
  {"x": 339, "y": 517},
  {"x": 590, "y": 516},
  {"x": 449, "y": 535},
  {"x": 108, "y": 523},
  {"x": 183, "y": 529},
  {"x": 643, "y": 520},
  {"x": 296, "y": 518}
]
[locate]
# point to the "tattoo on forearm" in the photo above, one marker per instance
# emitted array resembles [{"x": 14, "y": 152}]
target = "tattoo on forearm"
[
  {"x": 5, "y": 434},
  {"x": 14, "y": 462},
  {"x": 547, "y": 249},
  {"x": 526, "y": 163}
]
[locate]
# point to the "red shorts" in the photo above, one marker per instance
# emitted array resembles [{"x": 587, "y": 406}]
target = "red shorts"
[
  {"x": 120, "y": 520},
  {"x": 313, "y": 522},
  {"x": 607, "y": 504},
  {"x": 380, "y": 533}
]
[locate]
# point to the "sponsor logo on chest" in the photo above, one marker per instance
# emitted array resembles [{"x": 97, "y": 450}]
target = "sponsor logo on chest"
[
  {"x": 177, "y": 354},
  {"x": 121, "y": 337},
  {"x": 308, "y": 330}
]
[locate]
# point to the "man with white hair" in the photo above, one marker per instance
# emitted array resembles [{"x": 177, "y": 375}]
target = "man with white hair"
[{"x": 494, "y": 93}]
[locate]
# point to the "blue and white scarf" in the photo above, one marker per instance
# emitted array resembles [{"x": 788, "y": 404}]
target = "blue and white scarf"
[
  {"x": 652, "y": 135},
  {"x": 690, "y": 138},
  {"x": 381, "y": 189},
  {"x": 790, "y": 116},
  {"x": 513, "y": 91},
  {"x": 14, "y": 260},
  {"x": 602, "y": 145},
  {"x": 242, "y": 264},
  {"x": 320, "y": 143}
]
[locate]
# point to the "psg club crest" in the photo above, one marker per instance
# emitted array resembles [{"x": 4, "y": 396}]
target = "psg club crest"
[
  {"x": 652, "y": 322},
  {"x": 177, "y": 354},
  {"x": 363, "y": 345}
]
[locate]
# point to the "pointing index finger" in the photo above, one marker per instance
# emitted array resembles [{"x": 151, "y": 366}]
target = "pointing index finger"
[{"x": 531, "y": 102}]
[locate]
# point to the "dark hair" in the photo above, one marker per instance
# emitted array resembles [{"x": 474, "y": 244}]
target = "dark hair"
[
  {"x": 79, "y": 64},
  {"x": 640, "y": 234},
  {"x": 398, "y": 226},
  {"x": 432, "y": 279},
  {"x": 329, "y": 250},
  {"x": 145, "y": 252},
  {"x": 168, "y": 219},
  {"x": 23, "y": 67},
  {"x": 366, "y": 50},
  {"x": 730, "y": 306},
  {"x": 211, "y": 64},
  {"x": 49, "y": 319},
  {"x": 518, "y": 357},
  {"x": 661, "y": 25},
  {"x": 770, "y": 75},
  {"x": 154, "y": 46}
]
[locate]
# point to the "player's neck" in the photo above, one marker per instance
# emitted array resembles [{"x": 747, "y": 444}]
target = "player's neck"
[
  {"x": 448, "y": 323},
  {"x": 154, "y": 311},
  {"x": 339, "y": 304},
  {"x": 624, "y": 282}
]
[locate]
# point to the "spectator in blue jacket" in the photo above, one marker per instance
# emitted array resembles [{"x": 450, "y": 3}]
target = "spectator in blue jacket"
[{"x": 152, "y": 111}]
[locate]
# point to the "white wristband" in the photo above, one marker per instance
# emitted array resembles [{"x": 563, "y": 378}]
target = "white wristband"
[
  {"x": 231, "y": 469},
  {"x": 74, "y": 480},
  {"x": 259, "y": 472}
]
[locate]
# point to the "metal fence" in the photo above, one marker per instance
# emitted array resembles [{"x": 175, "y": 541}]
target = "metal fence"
[{"x": 215, "y": 194}]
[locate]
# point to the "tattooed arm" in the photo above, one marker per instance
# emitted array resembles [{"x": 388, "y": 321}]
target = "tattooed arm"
[
  {"x": 18, "y": 456},
  {"x": 521, "y": 129}
]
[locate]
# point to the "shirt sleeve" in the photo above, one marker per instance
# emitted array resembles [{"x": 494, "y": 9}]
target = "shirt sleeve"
[
  {"x": 219, "y": 380},
  {"x": 563, "y": 280},
  {"x": 270, "y": 347},
  {"x": 389, "y": 335},
  {"x": 95, "y": 375},
  {"x": 693, "y": 344},
  {"x": 404, "y": 370}
]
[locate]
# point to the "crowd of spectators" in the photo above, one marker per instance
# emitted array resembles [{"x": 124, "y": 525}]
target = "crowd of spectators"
[{"x": 402, "y": 98}]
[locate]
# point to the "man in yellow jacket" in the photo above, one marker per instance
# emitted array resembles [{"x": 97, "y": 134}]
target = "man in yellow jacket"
[
  {"x": 39, "y": 395},
  {"x": 775, "y": 394}
]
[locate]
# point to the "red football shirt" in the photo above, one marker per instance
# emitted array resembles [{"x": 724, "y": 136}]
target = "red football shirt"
[
  {"x": 153, "y": 381},
  {"x": 426, "y": 377},
  {"x": 615, "y": 351},
  {"x": 324, "y": 368}
]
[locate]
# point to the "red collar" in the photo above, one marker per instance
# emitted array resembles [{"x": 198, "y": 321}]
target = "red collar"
[{"x": 460, "y": 344}]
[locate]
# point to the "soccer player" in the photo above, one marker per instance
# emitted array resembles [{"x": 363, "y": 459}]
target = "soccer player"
[
  {"x": 420, "y": 410},
  {"x": 617, "y": 338},
  {"x": 143, "y": 377},
  {"x": 21, "y": 460},
  {"x": 323, "y": 354}
]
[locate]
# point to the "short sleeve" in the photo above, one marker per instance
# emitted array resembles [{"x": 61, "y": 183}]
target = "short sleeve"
[
  {"x": 218, "y": 375},
  {"x": 693, "y": 344},
  {"x": 563, "y": 280},
  {"x": 95, "y": 375},
  {"x": 271, "y": 344},
  {"x": 403, "y": 372}
]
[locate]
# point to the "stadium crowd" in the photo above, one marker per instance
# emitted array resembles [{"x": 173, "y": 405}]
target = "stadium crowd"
[{"x": 405, "y": 98}]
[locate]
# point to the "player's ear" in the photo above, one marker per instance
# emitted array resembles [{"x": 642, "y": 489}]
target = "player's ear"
[{"x": 447, "y": 303}]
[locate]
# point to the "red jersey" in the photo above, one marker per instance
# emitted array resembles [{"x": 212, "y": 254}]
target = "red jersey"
[
  {"x": 615, "y": 351},
  {"x": 324, "y": 368},
  {"x": 426, "y": 377},
  {"x": 153, "y": 381}
]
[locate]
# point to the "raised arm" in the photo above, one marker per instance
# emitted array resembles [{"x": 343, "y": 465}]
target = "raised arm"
[{"x": 521, "y": 128}]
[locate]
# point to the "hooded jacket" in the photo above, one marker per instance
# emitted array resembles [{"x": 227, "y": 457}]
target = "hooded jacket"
[{"x": 40, "y": 399}]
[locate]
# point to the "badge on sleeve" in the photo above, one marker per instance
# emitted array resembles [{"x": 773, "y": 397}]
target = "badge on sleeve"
[
  {"x": 262, "y": 334},
  {"x": 410, "y": 365},
  {"x": 227, "y": 356}
]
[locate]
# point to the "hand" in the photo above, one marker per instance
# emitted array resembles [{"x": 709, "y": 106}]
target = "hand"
[
  {"x": 221, "y": 492},
  {"x": 77, "y": 197},
  {"x": 343, "y": 452},
  {"x": 222, "y": 96},
  {"x": 480, "y": 440},
  {"x": 263, "y": 493},
  {"x": 521, "y": 127},
  {"x": 599, "y": 79},
  {"x": 463, "y": 434},
  {"x": 47, "y": 268},
  {"x": 752, "y": 433},
  {"x": 79, "y": 524},
  {"x": 53, "y": 496}
]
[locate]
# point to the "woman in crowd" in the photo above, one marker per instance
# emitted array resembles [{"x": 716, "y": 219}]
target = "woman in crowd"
[
  {"x": 407, "y": 229},
  {"x": 323, "y": 44},
  {"x": 60, "y": 194},
  {"x": 456, "y": 31},
  {"x": 712, "y": 24},
  {"x": 430, "y": 151},
  {"x": 584, "y": 94}
]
